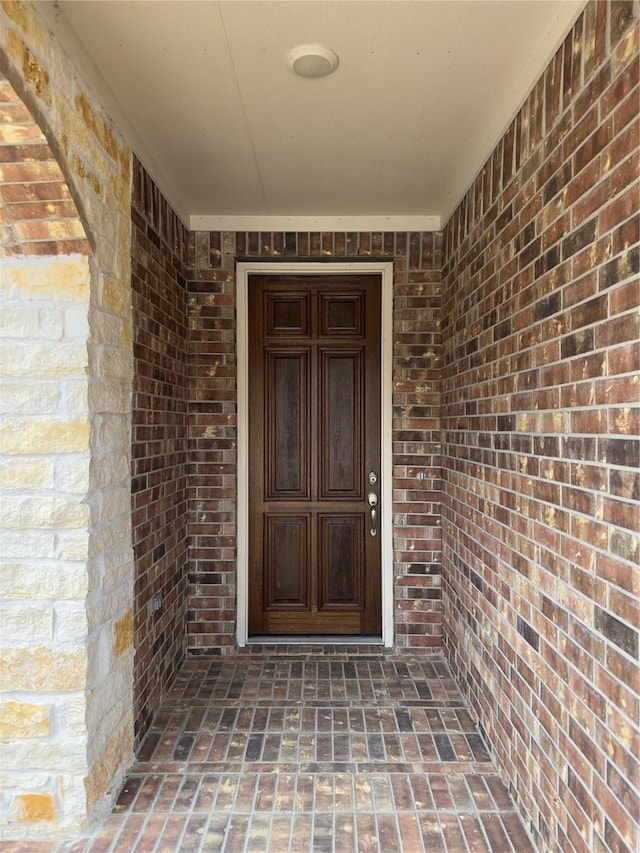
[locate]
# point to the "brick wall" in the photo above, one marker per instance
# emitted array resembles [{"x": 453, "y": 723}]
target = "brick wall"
[
  {"x": 540, "y": 439},
  {"x": 180, "y": 369},
  {"x": 159, "y": 445},
  {"x": 416, "y": 448}
]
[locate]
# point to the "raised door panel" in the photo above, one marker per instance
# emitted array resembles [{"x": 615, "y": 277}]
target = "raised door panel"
[
  {"x": 341, "y": 439},
  {"x": 287, "y": 425},
  {"x": 341, "y": 565},
  {"x": 286, "y": 562},
  {"x": 342, "y": 315},
  {"x": 287, "y": 315}
]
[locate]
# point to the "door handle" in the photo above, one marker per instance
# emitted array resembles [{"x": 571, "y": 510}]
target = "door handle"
[{"x": 372, "y": 500}]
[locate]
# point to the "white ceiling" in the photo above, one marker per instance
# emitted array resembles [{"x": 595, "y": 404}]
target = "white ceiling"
[{"x": 202, "y": 92}]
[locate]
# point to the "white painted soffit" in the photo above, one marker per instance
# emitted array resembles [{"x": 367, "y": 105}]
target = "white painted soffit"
[{"x": 391, "y": 141}]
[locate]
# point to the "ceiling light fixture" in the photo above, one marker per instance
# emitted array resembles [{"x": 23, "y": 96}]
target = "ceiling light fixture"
[{"x": 312, "y": 60}]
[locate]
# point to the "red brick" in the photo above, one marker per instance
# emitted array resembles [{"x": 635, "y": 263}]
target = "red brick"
[
  {"x": 159, "y": 455},
  {"x": 620, "y": 210},
  {"x": 625, "y": 359},
  {"x": 621, "y": 328},
  {"x": 569, "y": 339}
]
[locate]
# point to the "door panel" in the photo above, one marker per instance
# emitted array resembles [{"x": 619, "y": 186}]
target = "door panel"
[
  {"x": 287, "y": 314},
  {"x": 341, "y": 315},
  {"x": 285, "y": 562},
  {"x": 314, "y": 436},
  {"x": 341, "y": 440},
  {"x": 287, "y": 424},
  {"x": 340, "y": 562}
]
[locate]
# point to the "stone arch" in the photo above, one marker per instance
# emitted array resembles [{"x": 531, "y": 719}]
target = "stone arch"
[{"x": 38, "y": 212}]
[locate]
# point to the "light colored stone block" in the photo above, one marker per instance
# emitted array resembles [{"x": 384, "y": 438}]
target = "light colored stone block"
[
  {"x": 107, "y": 603},
  {"x": 20, "y": 473},
  {"x": 116, "y": 297},
  {"x": 24, "y": 720},
  {"x": 42, "y": 668},
  {"x": 76, "y": 323},
  {"x": 22, "y": 581},
  {"x": 104, "y": 539},
  {"x": 51, "y": 324},
  {"x": 18, "y": 622},
  {"x": 71, "y": 473},
  {"x": 39, "y": 359},
  {"x": 99, "y": 655},
  {"x": 115, "y": 503},
  {"x": 105, "y": 716},
  {"x": 116, "y": 754},
  {"x": 21, "y": 512},
  {"x": 35, "y": 74},
  {"x": 118, "y": 572},
  {"x": 75, "y": 399},
  {"x": 109, "y": 397},
  {"x": 34, "y": 808},
  {"x": 26, "y": 546},
  {"x": 72, "y": 545},
  {"x": 110, "y": 327},
  {"x": 70, "y": 712},
  {"x": 29, "y": 397},
  {"x": 55, "y": 756},
  {"x": 29, "y": 26},
  {"x": 123, "y": 634},
  {"x": 70, "y": 623},
  {"x": 114, "y": 364},
  {"x": 45, "y": 435},
  {"x": 109, "y": 432},
  {"x": 75, "y": 794},
  {"x": 19, "y": 321},
  {"x": 111, "y": 470},
  {"x": 24, "y": 780},
  {"x": 88, "y": 177},
  {"x": 60, "y": 279}
]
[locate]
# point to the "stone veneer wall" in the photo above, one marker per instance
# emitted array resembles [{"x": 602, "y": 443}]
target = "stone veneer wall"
[
  {"x": 541, "y": 451},
  {"x": 66, "y": 583},
  {"x": 159, "y": 445},
  {"x": 212, "y": 423}
]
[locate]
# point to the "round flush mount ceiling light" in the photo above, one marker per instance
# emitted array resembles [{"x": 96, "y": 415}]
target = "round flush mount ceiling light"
[{"x": 312, "y": 60}]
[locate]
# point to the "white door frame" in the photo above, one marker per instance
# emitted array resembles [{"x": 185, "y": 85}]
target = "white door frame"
[{"x": 385, "y": 270}]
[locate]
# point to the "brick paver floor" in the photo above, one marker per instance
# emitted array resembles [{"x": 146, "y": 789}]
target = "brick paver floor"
[{"x": 331, "y": 750}]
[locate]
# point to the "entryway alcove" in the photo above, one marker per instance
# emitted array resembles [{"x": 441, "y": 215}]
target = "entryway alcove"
[{"x": 514, "y": 477}]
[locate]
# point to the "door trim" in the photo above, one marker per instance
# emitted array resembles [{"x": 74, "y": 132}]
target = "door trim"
[{"x": 243, "y": 270}]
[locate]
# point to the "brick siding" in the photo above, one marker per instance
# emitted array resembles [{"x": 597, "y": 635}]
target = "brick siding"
[
  {"x": 416, "y": 439},
  {"x": 159, "y": 444},
  {"x": 184, "y": 431},
  {"x": 540, "y": 392}
]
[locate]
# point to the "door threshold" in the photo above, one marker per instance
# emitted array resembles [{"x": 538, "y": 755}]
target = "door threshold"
[{"x": 314, "y": 640}]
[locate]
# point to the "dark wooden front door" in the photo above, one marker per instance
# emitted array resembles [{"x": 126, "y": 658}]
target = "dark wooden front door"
[{"x": 314, "y": 455}]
